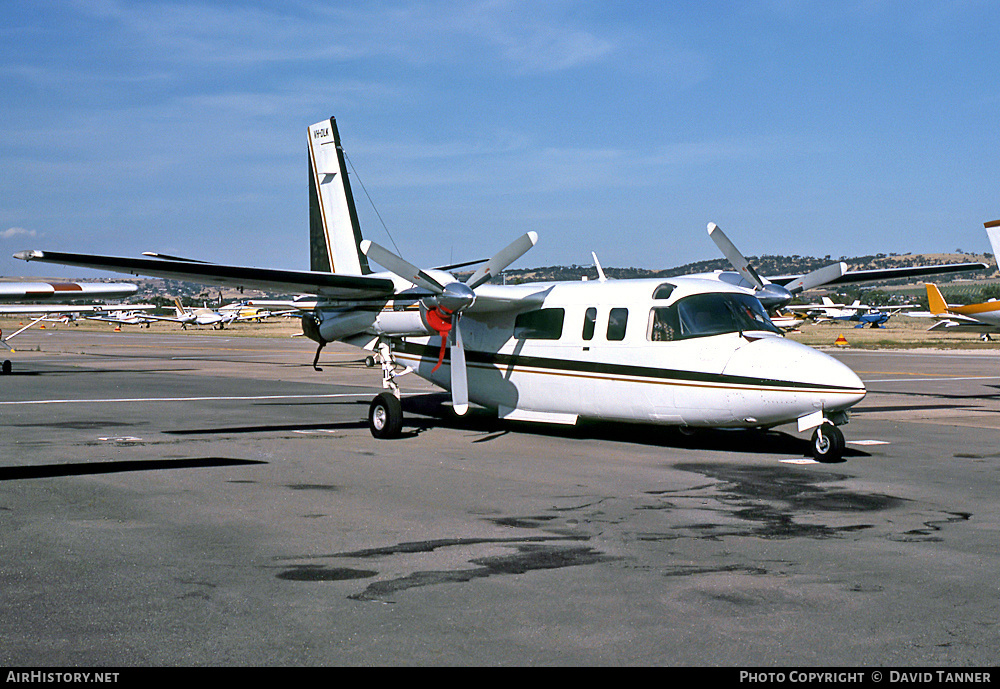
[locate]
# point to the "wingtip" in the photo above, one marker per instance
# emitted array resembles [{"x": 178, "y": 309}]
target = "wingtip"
[
  {"x": 712, "y": 227},
  {"x": 533, "y": 236}
]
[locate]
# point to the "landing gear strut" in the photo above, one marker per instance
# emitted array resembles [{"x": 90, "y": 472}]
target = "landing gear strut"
[
  {"x": 827, "y": 443},
  {"x": 385, "y": 415}
]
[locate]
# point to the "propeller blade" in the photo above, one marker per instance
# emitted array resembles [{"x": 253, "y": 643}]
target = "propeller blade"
[
  {"x": 504, "y": 258},
  {"x": 816, "y": 278},
  {"x": 400, "y": 267},
  {"x": 459, "y": 379},
  {"x": 734, "y": 256}
]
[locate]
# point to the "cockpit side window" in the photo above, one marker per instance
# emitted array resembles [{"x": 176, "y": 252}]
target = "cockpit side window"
[{"x": 662, "y": 324}]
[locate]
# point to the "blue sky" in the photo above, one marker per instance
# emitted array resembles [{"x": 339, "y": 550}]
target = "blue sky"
[{"x": 812, "y": 128}]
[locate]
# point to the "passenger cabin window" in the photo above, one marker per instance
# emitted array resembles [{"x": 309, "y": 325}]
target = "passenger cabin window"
[
  {"x": 589, "y": 323},
  {"x": 617, "y": 320},
  {"x": 543, "y": 324},
  {"x": 663, "y": 291},
  {"x": 701, "y": 315}
]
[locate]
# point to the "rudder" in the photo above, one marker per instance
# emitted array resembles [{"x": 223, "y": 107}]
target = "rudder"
[{"x": 935, "y": 300}]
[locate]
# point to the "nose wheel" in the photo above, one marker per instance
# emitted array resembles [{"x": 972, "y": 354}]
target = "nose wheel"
[{"x": 827, "y": 443}]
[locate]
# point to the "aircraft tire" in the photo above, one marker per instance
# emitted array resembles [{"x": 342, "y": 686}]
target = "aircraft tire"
[
  {"x": 828, "y": 444},
  {"x": 6, "y": 366},
  {"x": 385, "y": 416}
]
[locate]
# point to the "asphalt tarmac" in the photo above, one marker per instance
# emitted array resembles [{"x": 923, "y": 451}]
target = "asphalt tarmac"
[{"x": 195, "y": 499}]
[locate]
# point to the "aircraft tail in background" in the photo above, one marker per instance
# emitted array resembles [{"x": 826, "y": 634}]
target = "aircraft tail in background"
[{"x": 935, "y": 300}]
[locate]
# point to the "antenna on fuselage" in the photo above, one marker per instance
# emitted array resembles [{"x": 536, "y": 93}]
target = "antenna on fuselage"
[{"x": 600, "y": 271}]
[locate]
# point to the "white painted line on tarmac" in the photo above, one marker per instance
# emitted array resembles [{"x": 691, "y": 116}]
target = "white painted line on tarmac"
[
  {"x": 220, "y": 398},
  {"x": 946, "y": 378}
]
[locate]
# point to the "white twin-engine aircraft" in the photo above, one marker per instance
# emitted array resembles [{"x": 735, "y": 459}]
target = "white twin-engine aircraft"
[{"x": 693, "y": 351}]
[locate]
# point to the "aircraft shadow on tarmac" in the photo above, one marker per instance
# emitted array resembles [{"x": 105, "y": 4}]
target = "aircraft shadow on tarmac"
[
  {"x": 88, "y": 468},
  {"x": 429, "y": 411}
]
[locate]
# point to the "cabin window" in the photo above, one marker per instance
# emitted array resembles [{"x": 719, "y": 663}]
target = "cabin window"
[
  {"x": 713, "y": 313},
  {"x": 617, "y": 320},
  {"x": 663, "y": 291},
  {"x": 543, "y": 324},
  {"x": 589, "y": 323}
]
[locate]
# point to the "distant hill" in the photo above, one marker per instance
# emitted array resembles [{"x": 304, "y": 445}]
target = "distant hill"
[{"x": 765, "y": 265}]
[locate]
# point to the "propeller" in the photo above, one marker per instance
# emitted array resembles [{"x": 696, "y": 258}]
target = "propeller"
[
  {"x": 449, "y": 300},
  {"x": 772, "y": 295}
]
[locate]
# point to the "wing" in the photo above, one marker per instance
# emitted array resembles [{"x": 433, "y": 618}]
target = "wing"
[
  {"x": 327, "y": 285},
  {"x": 852, "y": 276},
  {"x": 48, "y": 308},
  {"x": 17, "y": 291}
]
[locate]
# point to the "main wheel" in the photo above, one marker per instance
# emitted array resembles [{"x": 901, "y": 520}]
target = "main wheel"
[
  {"x": 385, "y": 416},
  {"x": 6, "y": 366},
  {"x": 828, "y": 443}
]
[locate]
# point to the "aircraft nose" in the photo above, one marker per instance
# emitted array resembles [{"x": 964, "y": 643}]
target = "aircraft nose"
[{"x": 779, "y": 363}]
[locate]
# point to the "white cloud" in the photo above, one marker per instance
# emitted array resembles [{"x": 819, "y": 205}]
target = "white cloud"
[{"x": 12, "y": 232}]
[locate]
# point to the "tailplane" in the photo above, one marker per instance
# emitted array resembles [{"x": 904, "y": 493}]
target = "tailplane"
[
  {"x": 935, "y": 300},
  {"x": 334, "y": 231}
]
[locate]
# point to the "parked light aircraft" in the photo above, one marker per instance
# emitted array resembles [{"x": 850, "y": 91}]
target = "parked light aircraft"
[
  {"x": 983, "y": 318},
  {"x": 692, "y": 351},
  {"x": 125, "y": 314},
  {"x": 827, "y": 309},
  {"x": 196, "y": 316},
  {"x": 859, "y": 313},
  {"x": 40, "y": 290}
]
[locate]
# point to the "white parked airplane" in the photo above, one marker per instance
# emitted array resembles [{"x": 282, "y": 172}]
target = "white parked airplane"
[
  {"x": 692, "y": 351},
  {"x": 196, "y": 316}
]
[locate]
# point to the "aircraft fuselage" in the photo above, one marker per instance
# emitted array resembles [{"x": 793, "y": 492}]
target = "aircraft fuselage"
[{"x": 598, "y": 350}]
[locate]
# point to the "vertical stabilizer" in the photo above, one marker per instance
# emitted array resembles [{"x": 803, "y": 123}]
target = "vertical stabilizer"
[
  {"x": 334, "y": 231},
  {"x": 935, "y": 300},
  {"x": 993, "y": 232}
]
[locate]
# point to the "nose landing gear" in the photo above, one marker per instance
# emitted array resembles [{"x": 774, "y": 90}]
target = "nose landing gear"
[{"x": 827, "y": 443}]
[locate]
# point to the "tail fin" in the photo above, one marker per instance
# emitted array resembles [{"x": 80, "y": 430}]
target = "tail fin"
[
  {"x": 993, "y": 232},
  {"x": 334, "y": 231},
  {"x": 935, "y": 300}
]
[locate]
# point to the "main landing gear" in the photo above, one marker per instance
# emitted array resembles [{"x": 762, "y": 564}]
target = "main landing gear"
[
  {"x": 385, "y": 414},
  {"x": 827, "y": 443}
]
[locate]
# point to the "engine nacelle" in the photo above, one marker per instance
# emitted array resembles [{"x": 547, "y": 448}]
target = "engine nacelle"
[
  {"x": 329, "y": 325},
  {"x": 411, "y": 322}
]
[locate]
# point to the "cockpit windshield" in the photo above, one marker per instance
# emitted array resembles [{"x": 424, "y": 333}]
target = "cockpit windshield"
[{"x": 712, "y": 313}]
